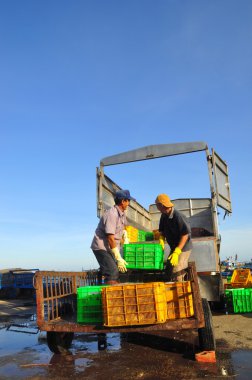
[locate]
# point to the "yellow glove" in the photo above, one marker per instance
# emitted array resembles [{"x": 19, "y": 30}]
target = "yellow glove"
[
  {"x": 162, "y": 241},
  {"x": 120, "y": 262},
  {"x": 174, "y": 257}
]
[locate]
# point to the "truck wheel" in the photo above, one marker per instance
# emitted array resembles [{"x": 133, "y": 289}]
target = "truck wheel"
[
  {"x": 59, "y": 342},
  {"x": 206, "y": 334}
]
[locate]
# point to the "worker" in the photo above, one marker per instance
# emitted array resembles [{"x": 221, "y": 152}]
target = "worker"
[
  {"x": 107, "y": 238},
  {"x": 174, "y": 227}
]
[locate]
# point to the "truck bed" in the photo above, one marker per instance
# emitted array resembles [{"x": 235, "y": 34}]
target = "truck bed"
[{"x": 56, "y": 297}]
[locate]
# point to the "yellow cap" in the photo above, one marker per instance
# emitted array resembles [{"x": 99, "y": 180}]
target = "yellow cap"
[{"x": 164, "y": 200}]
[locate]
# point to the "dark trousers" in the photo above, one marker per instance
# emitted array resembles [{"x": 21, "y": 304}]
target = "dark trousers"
[{"x": 108, "y": 265}]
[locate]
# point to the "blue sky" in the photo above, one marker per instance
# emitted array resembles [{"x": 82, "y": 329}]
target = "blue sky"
[{"x": 82, "y": 80}]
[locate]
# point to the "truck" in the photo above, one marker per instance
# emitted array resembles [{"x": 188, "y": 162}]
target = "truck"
[
  {"x": 202, "y": 213},
  {"x": 56, "y": 292}
]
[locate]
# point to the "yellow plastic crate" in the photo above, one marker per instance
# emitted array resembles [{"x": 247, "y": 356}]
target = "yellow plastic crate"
[
  {"x": 132, "y": 233},
  {"x": 179, "y": 300},
  {"x": 241, "y": 278},
  {"x": 134, "y": 304}
]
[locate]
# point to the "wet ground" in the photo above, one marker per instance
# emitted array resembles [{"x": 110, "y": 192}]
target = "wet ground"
[{"x": 24, "y": 353}]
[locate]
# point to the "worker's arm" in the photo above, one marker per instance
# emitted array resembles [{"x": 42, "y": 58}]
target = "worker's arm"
[
  {"x": 121, "y": 263},
  {"x": 111, "y": 241},
  {"x": 174, "y": 256},
  {"x": 183, "y": 241}
]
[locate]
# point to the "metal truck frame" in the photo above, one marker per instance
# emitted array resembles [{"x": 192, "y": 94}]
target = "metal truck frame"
[{"x": 201, "y": 212}]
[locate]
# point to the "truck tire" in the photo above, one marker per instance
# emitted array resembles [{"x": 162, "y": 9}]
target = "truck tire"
[
  {"x": 59, "y": 342},
  {"x": 206, "y": 334}
]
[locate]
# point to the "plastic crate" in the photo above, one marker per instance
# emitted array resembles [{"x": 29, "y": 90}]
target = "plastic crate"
[
  {"x": 239, "y": 300},
  {"x": 241, "y": 278},
  {"x": 145, "y": 235},
  {"x": 141, "y": 235},
  {"x": 229, "y": 279},
  {"x": 132, "y": 233},
  {"x": 89, "y": 304},
  {"x": 144, "y": 256},
  {"x": 149, "y": 236},
  {"x": 134, "y": 304},
  {"x": 179, "y": 300}
]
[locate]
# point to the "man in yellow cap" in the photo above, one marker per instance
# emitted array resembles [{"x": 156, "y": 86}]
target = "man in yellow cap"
[{"x": 174, "y": 227}]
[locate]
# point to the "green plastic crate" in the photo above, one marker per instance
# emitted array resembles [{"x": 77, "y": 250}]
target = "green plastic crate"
[
  {"x": 149, "y": 236},
  {"x": 144, "y": 256},
  {"x": 141, "y": 235},
  {"x": 229, "y": 279},
  {"x": 239, "y": 300},
  {"x": 89, "y": 304},
  {"x": 145, "y": 236}
]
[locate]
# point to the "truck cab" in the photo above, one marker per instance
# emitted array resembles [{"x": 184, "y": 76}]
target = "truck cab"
[{"x": 202, "y": 213}]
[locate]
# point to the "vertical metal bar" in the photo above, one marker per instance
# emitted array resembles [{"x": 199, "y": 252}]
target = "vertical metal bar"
[
  {"x": 197, "y": 302},
  {"x": 100, "y": 176},
  {"x": 213, "y": 193},
  {"x": 39, "y": 299},
  {"x": 74, "y": 284}
]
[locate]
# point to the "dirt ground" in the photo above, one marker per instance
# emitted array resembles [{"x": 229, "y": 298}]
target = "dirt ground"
[
  {"x": 136, "y": 356},
  {"x": 234, "y": 329}
]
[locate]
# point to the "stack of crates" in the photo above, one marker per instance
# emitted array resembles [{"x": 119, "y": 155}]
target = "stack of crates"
[
  {"x": 238, "y": 294},
  {"x": 134, "y": 304},
  {"x": 241, "y": 278},
  {"x": 135, "y": 235},
  {"x": 144, "y": 256},
  {"x": 89, "y": 304},
  {"x": 179, "y": 300},
  {"x": 239, "y": 300}
]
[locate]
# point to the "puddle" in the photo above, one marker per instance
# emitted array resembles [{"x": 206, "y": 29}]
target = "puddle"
[
  {"x": 93, "y": 343},
  {"x": 12, "y": 342},
  {"x": 242, "y": 362},
  {"x": 26, "y": 356}
]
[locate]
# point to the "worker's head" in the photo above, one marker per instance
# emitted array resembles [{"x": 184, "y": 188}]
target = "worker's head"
[
  {"x": 123, "y": 197},
  {"x": 163, "y": 203}
]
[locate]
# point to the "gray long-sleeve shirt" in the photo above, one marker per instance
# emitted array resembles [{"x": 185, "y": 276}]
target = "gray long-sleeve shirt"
[{"x": 111, "y": 223}]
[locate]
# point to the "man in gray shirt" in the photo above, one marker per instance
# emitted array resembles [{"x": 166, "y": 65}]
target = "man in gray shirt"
[{"x": 107, "y": 238}]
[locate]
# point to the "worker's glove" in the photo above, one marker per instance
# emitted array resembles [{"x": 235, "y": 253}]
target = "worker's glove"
[
  {"x": 162, "y": 241},
  {"x": 174, "y": 257},
  {"x": 125, "y": 237},
  {"x": 121, "y": 263}
]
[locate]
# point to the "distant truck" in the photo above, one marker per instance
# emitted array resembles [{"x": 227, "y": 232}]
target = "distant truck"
[
  {"x": 201, "y": 212},
  {"x": 16, "y": 281}
]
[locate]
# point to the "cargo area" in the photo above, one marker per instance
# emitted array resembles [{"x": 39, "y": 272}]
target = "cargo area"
[{"x": 72, "y": 302}]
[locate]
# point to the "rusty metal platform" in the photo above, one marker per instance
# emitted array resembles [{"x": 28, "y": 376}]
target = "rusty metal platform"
[{"x": 56, "y": 297}]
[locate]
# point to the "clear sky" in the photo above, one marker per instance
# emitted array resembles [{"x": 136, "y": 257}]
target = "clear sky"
[{"x": 82, "y": 80}]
